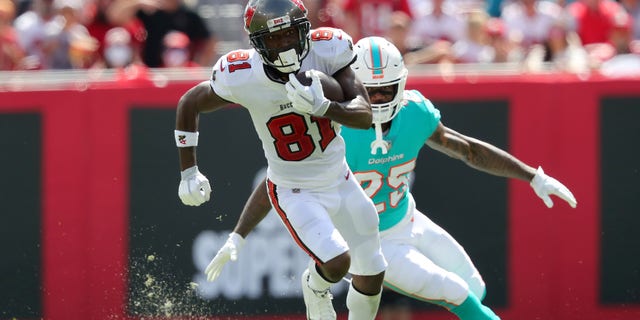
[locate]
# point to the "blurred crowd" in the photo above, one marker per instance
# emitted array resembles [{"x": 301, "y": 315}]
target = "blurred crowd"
[
  {"x": 572, "y": 35},
  {"x": 83, "y": 34}
]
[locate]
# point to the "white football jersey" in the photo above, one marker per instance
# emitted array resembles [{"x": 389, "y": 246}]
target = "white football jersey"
[{"x": 302, "y": 151}]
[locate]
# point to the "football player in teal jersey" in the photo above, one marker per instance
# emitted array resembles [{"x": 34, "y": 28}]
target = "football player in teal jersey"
[{"x": 424, "y": 261}]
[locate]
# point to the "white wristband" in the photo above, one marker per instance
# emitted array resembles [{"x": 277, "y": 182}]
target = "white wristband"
[{"x": 186, "y": 139}]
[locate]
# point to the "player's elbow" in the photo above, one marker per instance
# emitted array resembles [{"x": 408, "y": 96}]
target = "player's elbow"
[
  {"x": 364, "y": 121},
  {"x": 363, "y": 118},
  {"x": 356, "y": 119}
]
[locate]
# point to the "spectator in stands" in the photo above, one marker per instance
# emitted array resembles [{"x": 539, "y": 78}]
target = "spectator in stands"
[
  {"x": 600, "y": 24},
  {"x": 159, "y": 18},
  {"x": 322, "y": 13},
  {"x": 175, "y": 53},
  {"x": 398, "y": 32},
  {"x": 83, "y": 50},
  {"x": 474, "y": 47},
  {"x": 505, "y": 50},
  {"x": 363, "y": 18},
  {"x": 10, "y": 52},
  {"x": 633, "y": 8},
  {"x": 61, "y": 31},
  {"x": 626, "y": 61},
  {"x": 462, "y": 6},
  {"x": 413, "y": 49},
  {"x": 529, "y": 22},
  {"x": 596, "y": 19},
  {"x": 30, "y": 29},
  {"x": 120, "y": 54},
  {"x": 564, "y": 49},
  {"x": 622, "y": 33},
  {"x": 437, "y": 22},
  {"x": 98, "y": 25},
  {"x": 119, "y": 50}
]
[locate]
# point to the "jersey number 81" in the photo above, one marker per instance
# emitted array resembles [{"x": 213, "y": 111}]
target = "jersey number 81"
[{"x": 292, "y": 139}]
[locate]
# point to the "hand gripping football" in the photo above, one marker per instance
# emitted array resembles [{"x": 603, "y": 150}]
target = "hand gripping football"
[{"x": 330, "y": 86}]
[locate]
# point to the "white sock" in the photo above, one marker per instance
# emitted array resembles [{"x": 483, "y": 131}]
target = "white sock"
[
  {"x": 316, "y": 281},
  {"x": 362, "y": 306}
]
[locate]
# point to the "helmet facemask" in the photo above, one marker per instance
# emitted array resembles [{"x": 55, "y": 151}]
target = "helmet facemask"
[
  {"x": 384, "y": 111},
  {"x": 267, "y": 18}
]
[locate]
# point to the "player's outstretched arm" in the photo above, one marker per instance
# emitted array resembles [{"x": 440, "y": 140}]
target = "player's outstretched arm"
[
  {"x": 194, "y": 187},
  {"x": 491, "y": 159},
  {"x": 254, "y": 211}
]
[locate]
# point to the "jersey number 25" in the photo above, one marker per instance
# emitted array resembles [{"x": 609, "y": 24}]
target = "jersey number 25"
[{"x": 397, "y": 179}]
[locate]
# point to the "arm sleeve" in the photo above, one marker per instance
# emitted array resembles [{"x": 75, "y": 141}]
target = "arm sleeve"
[
  {"x": 337, "y": 50},
  {"x": 430, "y": 113},
  {"x": 219, "y": 81}
]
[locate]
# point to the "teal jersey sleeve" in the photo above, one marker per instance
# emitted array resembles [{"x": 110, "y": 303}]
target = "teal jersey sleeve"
[{"x": 385, "y": 177}]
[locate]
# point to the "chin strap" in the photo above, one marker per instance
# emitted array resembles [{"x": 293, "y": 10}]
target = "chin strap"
[
  {"x": 379, "y": 143},
  {"x": 290, "y": 61}
]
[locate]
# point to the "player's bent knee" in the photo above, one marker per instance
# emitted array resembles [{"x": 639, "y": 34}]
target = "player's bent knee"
[
  {"x": 335, "y": 269},
  {"x": 477, "y": 285}
]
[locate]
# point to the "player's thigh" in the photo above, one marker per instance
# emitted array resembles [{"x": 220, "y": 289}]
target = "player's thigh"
[
  {"x": 412, "y": 273},
  {"x": 445, "y": 251},
  {"x": 309, "y": 224},
  {"x": 436, "y": 243},
  {"x": 357, "y": 220}
]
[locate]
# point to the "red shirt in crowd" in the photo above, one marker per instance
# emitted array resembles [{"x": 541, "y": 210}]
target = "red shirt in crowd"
[
  {"x": 373, "y": 16},
  {"x": 594, "y": 25}
]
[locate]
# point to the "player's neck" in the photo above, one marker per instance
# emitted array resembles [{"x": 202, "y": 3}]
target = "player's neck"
[
  {"x": 385, "y": 127},
  {"x": 275, "y": 75}
]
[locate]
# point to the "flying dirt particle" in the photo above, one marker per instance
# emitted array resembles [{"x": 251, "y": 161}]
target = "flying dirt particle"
[
  {"x": 168, "y": 305},
  {"x": 149, "y": 281},
  {"x": 151, "y": 257},
  {"x": 156, "y": 291}
]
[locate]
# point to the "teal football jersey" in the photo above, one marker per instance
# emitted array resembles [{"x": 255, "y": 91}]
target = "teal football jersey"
[{"x": 385, "y": 177}]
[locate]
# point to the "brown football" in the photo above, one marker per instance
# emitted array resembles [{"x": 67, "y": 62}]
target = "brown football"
[{"x": 330, "y": 86}]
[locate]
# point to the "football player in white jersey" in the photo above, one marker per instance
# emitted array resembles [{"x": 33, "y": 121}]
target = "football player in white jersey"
[
  {"x": 309, "y": 182},
  {"x": 425, "y": 262}
]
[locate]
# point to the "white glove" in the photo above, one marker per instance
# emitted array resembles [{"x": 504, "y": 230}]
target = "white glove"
[
  {"x": 194, "y": 187},
  {"x": 228, "y": 252},
  {"x": 545, "y": 185},
  {"x": 307, "y": 99}
]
